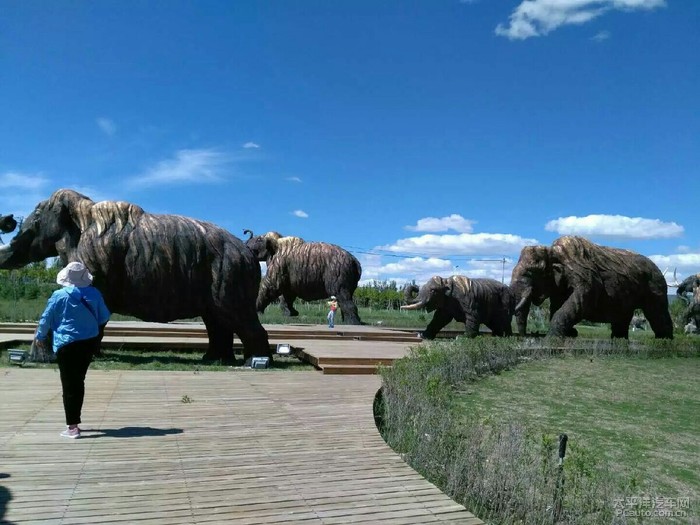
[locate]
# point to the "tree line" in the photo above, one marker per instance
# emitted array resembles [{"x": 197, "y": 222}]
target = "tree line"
[
  {"x": 35, "y": 281},
  {"x": 379, "y": 295},
  {"x": 38, "y": 280}
]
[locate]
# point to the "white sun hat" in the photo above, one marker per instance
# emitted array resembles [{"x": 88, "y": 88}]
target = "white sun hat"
[{"x": 74, "y": 274}]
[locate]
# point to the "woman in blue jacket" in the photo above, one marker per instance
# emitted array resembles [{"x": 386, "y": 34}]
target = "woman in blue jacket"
[{"x": 77, "y": 315}]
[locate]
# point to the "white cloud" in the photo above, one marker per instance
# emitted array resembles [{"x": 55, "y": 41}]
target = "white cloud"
[
  {"x": 249, "y": 145},
  {"x": 293, "y": 179},
  {"x": 22, "y": 181},
  {"x": 683, "y": 249},
  {"x": 617, "y": 226},
  {"x": 417, "y": 264},
  {"x": 540, "y": 17},
  {"x": 682, "y": 261},
  {"x": 300, "y": 213},
  {"x": 421, "y": 269},
  {"x": 21, "y": 192},
  {"x": 601, "y": 36},
  {"x": 683, "y": 264},
  {"x": 402, "y": 271},
  {"x": 107, "y": 126},
  {"x": 200, "y": 166},
  {"x": 462, "y": 244},
  {"x": 453, "y": 222}
]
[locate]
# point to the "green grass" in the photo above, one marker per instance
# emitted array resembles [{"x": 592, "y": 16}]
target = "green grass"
[
  {"x": 638, "y": 415},
  {"x": 480, "y": 418}
]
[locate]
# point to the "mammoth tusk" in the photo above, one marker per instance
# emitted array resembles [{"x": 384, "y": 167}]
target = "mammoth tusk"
[
  {"x": 522, "y": 303},
  {"x": 414, "y": 306},
  {"x": 675, "y": 283}
]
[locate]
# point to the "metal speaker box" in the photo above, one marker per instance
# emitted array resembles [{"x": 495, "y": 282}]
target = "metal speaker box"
[
  {"x": 260, "y": 362},
  {"x": 284, "y": 348},
  {"x": 17, "y": 356}
]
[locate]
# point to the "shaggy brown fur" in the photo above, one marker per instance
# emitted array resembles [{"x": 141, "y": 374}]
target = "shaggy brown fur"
[
  {"x": 469, "y": 301},
  {"x": 154, "y": 267},
  {"x": 586, "y": 281},
  {"x": 308, "y": 270}
]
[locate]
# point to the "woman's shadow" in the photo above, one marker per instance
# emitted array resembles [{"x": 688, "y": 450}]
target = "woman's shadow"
[
  {"x": 5, "y": 498},
  {"x": 128, "y": 432}
]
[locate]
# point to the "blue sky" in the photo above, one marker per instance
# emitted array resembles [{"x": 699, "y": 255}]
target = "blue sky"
[{"x": 427, "y": 137}]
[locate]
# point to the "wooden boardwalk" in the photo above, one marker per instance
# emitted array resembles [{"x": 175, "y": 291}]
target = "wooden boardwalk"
[
  {"x": 244, "y": 447},
  {"x": 343, "y": 350}
]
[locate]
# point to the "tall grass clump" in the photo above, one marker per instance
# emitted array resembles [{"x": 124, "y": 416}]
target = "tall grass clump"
[{"x": 504, "y": 472}]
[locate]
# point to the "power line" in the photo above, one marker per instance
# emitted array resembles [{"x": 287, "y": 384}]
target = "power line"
[{"x": 408, "y": 255}]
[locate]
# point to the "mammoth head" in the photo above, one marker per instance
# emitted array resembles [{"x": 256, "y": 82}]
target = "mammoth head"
[
  {"x": 689, "y": 285},
  {"x": 53, "y": 228},
  {"x": 432, "y": 294},
  {"x": 538, "y": 271},
  {"x": 262, "y": 246}
]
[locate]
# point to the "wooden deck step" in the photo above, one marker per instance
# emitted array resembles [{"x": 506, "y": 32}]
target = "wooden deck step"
[
  {"x": 349, "y": 369},
  {"x": 353, "y": 360}
]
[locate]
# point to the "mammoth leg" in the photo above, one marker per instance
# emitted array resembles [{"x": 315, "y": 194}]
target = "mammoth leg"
[
  {"x": 507, "y": 325},
  {"x": 287, "y": 305},
  {"x": 253, "y": 336},
  {"x": 564, "y": 318},
  {"x": 500, "y": 327},
  {"x": 521, "y": 319},
  {"x": 659, "y": 319},
  {"x": 471, "y": 324},
  {"x": 620, "y": 327},
  {"x": 348, "y": 310},
  {"x": 440, "y": 320},
  {"x": 266, "y": 295},
  {"x": 220, "y": 340}
]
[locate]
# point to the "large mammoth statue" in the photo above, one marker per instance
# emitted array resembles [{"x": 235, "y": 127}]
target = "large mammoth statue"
[
  {"x": 470, "y": 301},
  {"x": 586, "y": 281},
  {"x": 154, "y": 267},
  {"x": 307, "y": 270}
]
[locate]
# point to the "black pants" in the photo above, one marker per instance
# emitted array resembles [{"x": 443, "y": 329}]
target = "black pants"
[{"x": 73, "y": 361}]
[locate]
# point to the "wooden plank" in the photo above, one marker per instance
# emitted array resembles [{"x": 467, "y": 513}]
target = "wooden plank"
[{"x": 252, "y": 447}]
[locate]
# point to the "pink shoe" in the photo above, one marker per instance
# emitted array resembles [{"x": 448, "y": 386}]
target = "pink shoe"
[{"x": 72, "y": 433}]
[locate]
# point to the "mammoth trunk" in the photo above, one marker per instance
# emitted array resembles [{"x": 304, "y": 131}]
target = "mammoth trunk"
[
  {"x": 522, "y": 310},
  {"x": 521, "y": 320},
  {"x": 8, "y": 258}
]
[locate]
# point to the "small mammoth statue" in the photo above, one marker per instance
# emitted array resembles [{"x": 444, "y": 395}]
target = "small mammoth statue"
[
  {"x": 470, "y": 301},
  {"x": 305, "y": 270}
]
